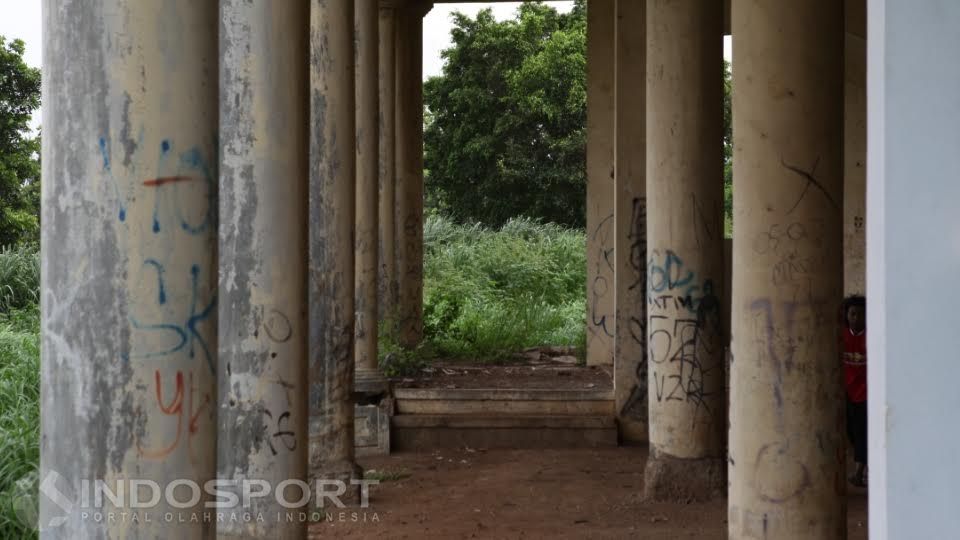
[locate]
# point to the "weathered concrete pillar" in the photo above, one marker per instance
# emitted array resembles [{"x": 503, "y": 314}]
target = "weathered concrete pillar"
[
  {"x": 367, "y": 19},
  {"x": 129, "y": 274},
  {"x": 786, "y": 462},
  {"x": 387, "y": 277},
  {"x": 331, "y": 239},
  {"x": 262, "y": 363},
  {"x": 855, "y": 148},
  {"x": 685, "y": 249},
  {"x": 409, "y": 188},
  {"x": 630, "y": 353},
  {"x": 601, "y": 229}
]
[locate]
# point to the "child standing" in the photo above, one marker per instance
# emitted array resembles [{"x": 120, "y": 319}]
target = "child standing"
[{"x": 854, "y": 353}]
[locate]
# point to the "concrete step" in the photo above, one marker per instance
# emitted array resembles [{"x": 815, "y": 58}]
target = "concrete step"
[
  {"x": 442, "y": 401},
  {"x": 419, "y": 432}
]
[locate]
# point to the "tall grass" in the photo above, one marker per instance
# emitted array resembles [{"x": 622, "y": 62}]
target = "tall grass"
[
  {"x": 19, "y": 277},
  {"x": 489, "y": 293},
  {"x": 19, "y": 386}
]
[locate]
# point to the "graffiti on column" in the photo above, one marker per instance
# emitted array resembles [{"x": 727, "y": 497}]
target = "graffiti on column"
[
  {"x": 811, "y": 181},
  {"x": 602, "y": 238},
  {"x": 636, "y": 404},
  {"x": 785, "y": 330},
  {"x": 684, "y": 336},
  {"x": 175, "y": 320},
  {"x": 182, "y": 334},
  {"x": 182, "y": 407},
  {"x": 279, "y": 432}
]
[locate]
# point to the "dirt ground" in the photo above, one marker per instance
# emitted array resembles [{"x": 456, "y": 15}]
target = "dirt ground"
[
  {"x": 507, "y": 494},
  {"x": 553, "y": 368}
]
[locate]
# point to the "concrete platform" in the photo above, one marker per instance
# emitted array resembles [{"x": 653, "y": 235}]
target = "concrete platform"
[
  {"x": 419, "y": 432},
  {"x": 436, "y": 401}
]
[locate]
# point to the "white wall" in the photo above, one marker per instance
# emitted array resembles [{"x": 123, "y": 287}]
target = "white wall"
[{"x": 913, "y": 259}]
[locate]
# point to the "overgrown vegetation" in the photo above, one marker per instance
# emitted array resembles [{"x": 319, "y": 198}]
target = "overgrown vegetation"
[
  {"x": 489, "y": 293},
  {"x": 19, "y": 388}
]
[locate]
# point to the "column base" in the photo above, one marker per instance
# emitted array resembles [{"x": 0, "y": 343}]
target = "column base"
[
  {"x": 668, "y": 478},
  {"x": 342, "y": 472}
]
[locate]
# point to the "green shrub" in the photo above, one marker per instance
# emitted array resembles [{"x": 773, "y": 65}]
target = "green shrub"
[{"x": 489, "y": 293}]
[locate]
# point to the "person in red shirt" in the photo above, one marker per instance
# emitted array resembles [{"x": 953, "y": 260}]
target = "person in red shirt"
[{"x": 854, "y": 353}]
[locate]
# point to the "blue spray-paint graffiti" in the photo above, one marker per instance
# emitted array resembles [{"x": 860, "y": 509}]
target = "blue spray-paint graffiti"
[
  {"x": 105, "y": 155},
  {"x": 669, "y": 280},
  {"x": 162, "y": 295},
  {"x": 188, "y": 166},
  {"x": 193, "y": 160},
  {"x": 186, "y": 334}
]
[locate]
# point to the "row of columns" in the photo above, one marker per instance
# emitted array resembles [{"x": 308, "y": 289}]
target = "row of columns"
[
  {"x": 783, "y": 466},
  {"x": 219, "y": 236}
]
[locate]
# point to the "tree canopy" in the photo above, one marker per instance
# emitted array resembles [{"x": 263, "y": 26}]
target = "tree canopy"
[
  {"x": 505, "y": 122},
  {"x": 19, "y": 148},
  {"x": 505, "y": 132}
]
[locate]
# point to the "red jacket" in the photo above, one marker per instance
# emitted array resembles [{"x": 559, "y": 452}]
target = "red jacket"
[{"x": 855, "y": 365}]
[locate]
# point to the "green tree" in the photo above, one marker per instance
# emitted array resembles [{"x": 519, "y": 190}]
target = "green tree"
[
  {"x": 19, "y": 149},
  {"x": 506, "y": 129}
]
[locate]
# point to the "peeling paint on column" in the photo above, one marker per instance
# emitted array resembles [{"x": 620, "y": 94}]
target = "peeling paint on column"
[
  {"x": 128, "y": 267},
  {"x": 331, "y": 239},
  {"x": 685, "y": 250},
  {"x": 263, "y": 256},
  {"x": 787, "y": 444}
]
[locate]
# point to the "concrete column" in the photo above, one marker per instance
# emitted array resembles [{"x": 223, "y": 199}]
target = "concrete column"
[
  {"x": 685, "y": 249},
  {"x": 855, "y": 148},
  {"x": 601, "y": 229},
  {"x": 331, "y": 239},
  {"x": 913, "y": 253},
  {"x": 262, "y": 369},
  {"x": 787, "y": 442},
  {"x": 129, "y": 274},
  {"x": 387, "y": 277},
  {"x": 630, "y": 353},
  {"x": 368, "y": 177},
  {"x": 409, "y": 188}
]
